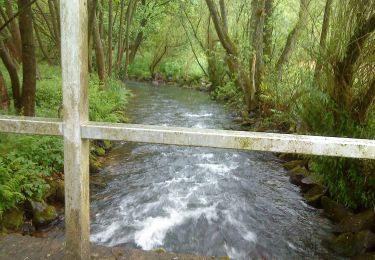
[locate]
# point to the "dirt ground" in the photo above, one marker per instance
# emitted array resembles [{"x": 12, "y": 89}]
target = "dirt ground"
[{"x": 18, "y": 247}]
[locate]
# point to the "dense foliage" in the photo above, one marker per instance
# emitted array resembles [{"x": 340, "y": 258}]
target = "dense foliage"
[{"x": 27, "y": 161}]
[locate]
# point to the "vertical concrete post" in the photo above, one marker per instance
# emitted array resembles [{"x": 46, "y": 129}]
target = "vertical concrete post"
[{"x": 76, "y": 150}]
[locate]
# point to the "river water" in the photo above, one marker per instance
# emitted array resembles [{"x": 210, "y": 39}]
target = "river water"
[{"x": 200, "y": 200}]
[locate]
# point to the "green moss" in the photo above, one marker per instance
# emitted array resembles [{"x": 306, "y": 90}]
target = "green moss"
[
  {"x": 95, "y": 165},
  {"x": 13, "y": 219},
  {"x": 160, "y": 250},
  {"x": 107, "y": 144},
  {"x": 245, "y": 143},
  {"x": 43, "y": 214},
  {"x": 100, "y": 151}
]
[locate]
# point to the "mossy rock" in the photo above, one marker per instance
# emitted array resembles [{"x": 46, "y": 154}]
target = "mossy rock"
[
  {"x": 99, "y": 181},
  {"x": 367, "y": 256},
  {"x": 289, "y": 156},
  {"x": 333, "y": 210},
  {"x": 362, "y": 221},
  {"x": 95, "y": 165},
  {"x": 297, "y": 174},
  {"x": 13, "y": 219},
  {"x": 314, "y": 195},
  {"x": 56, "y": 191},
  {"x": 100, "y": 151},
  {"x": 43, "y": 214},
  {"x": 293, "y": 164},
  {"x": 351, "y": 244},
  {"x": 160, "y": 250},
  {"x": 107, "y": 145}
]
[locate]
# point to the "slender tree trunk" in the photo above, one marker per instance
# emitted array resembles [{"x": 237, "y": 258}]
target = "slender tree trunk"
[
  {"x": 55, "y": 25},
  {"x": 44, "y": 52},
  {"x": 99, "y": 51},
  {"x": 293, "y": 37},
  {"x": 268, "y": 30},
  {"x": 12, "y": 70},
  {"x": 323, "y": 38},
  {"x": 90, "y": 27},
  {"x": 109, "y": 51},
  {"x": 28, "y": 59},
  {"x": 101, "y": 20},
  {"x": 119, "y": 38},
  {"x": 257, "y": 59},
  {"x": 223, "y": 12},
  {"x": 213, "y": 74},
  {"x": 129, "y": 19},
  {"x": 157, "y": 59},
  {"x": 4, "y": 98},
  {"x": 14, "y": 29},
  {"x": 138, "y": 40}
]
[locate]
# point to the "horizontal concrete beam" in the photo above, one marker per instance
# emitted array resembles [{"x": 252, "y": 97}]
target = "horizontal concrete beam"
[
  {"x": 31, "y": 125},
  {"x": 312, "y": 145},
  {"x": 300, "y": 144}
]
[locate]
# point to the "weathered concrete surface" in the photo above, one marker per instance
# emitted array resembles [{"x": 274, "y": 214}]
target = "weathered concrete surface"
[{"x": 17, "y": 247}]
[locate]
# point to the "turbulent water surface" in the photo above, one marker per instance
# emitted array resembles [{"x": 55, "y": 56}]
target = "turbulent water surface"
[{"x": 200, "y": 200}]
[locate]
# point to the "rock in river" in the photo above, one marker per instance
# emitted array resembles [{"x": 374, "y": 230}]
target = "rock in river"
[
  {"x": 351, "y": 244},
  {"x": 314, "y": 195},
  {"x": 358, "y": 222},
  {"x": 297, "y": 174},
  {"x": 43, "y": 214},
  {"x": 333, "y": 210}
]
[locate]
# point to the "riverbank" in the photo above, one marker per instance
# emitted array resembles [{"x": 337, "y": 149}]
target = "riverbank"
[
  {"x": 31, "y": 167},
  {"x": 18, "y": 247},
  {"x": 353, "y": 230}
]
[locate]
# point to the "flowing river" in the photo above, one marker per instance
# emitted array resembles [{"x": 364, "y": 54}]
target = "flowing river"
[{"x": 200, "y": 200}]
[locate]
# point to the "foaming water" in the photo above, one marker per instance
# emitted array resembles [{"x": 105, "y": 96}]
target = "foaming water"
[{"x": 201, "y": 200}]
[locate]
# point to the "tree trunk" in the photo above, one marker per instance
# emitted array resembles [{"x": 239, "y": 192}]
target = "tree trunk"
[
  {"x": 257, "y": 59},
  {"x": 129, "y": 19},
  {"x": 55, "y": 25},
  {"x": 293, "y": 37},
  {"x": 109, "y": 51},
  {"x": 236, "y": 68},
  {"x": 268, "y": 30},
  {"x": 138, "y": 40},
  {"x": 344, "y": 69},
  {"x": 223, "y": 12},
  {"x": 44, "y": 51},
  {"x": 119, "y": 38},
  {"x": 213, "y": 73},
  {"x": 14, "y": 30},
  {"x": 12, "y": 70},
  {"x": 99, "y": 51},
  {"x": 158, "y": 57},
  {"x": 28, "y": 59},
  {"x": 323, "y": 38},
  {"x": 4, "y": 98},
  {"x": 90, "y": 26}
]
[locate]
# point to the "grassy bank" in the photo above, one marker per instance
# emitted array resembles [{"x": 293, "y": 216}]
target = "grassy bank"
[{"x": 29, "y": 163}]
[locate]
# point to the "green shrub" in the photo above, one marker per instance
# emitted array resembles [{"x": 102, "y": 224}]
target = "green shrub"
[
  {"x": 108, "y": 105},
  {"x": 350, "y": 181},
  {"x": 25, "y": 161},
  {"x": 20, "y": 179}
]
